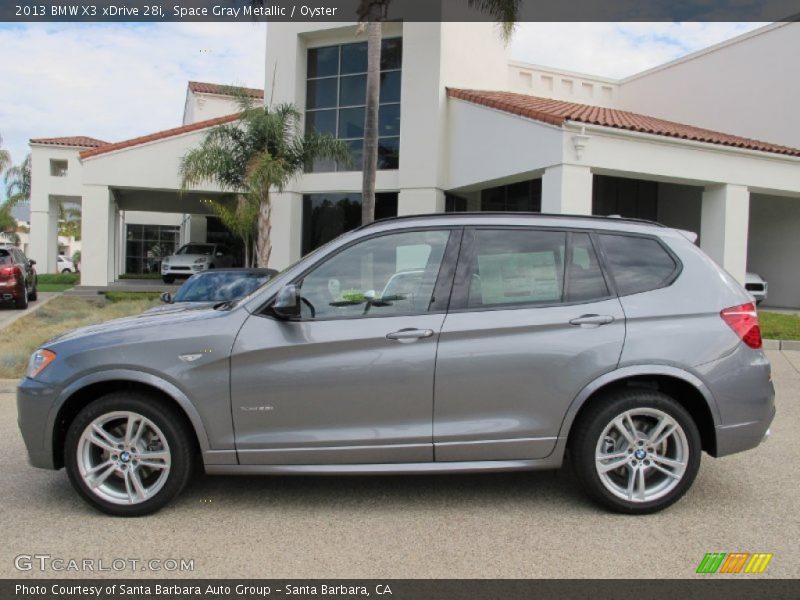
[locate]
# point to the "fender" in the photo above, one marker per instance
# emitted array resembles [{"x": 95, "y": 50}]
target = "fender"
[
  {"x": 138, "y": 377},
  {"x": 634, "y": 371}
]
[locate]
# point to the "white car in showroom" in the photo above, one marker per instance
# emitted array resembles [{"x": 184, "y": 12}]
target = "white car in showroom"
[{"x": 195, "y": 257}]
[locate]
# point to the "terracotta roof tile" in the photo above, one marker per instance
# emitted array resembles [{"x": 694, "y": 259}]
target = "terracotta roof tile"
[
  {"x": 200, "y": 87},
  {"x": 78, "y": 141},
  {"x": 159, "y": 135},
  {"x": 556, "y": 112}
]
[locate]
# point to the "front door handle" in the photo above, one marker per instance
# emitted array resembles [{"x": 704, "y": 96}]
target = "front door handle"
[
  {"x": 592, "y": 320},
  {"x": 409, "y": 335}
]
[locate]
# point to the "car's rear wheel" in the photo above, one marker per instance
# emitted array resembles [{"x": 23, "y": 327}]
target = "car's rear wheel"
[
  {"x": 168, "y": 279},
  {"x": 21, "y": 302},
  {"x": 636, "y": 451},
  {"x": 66, "y": 271},
  {"x": 127, "y": 455}
]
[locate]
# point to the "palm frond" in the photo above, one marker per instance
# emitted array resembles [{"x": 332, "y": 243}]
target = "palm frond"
[{"x": 505, "y": 12}]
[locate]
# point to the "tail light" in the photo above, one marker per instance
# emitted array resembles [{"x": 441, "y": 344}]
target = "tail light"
[
  {"x": 10, "y": 274},
  {"x": 743, "y": 319}
]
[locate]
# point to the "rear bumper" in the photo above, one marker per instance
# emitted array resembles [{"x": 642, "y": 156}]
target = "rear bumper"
[
  {"x": 743, "y": 436},
  {"x": 11, "y": 292}
]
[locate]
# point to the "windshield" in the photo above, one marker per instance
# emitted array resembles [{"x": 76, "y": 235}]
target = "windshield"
[
  {"x": 220, "y": 286},
  {"x": 196, "y": 249}
]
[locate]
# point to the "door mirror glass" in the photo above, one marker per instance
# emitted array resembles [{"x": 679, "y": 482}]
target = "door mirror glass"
[
  {"x": 287, "y": 302},
  {"x": 166, "y": 298},
  {"x": 31, "y": 262}
]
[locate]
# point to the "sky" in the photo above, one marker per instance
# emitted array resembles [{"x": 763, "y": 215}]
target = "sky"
[{"x": 116, "y": 81}]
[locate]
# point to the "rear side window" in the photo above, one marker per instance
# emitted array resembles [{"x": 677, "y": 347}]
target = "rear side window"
[
  {"x": 585, "y": 281},
  {"x": 637, "y": 264},
  {"x": 516, "y": 267},
  {"x": 5, "y": 257}
]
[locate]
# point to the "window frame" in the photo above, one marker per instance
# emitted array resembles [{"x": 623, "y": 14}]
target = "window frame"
[
  {"x": 442, "y": 288},
  {"x": 602, "y": 256},
  {"x": 338, "y": 106},
  {"x": 459, "y": 302}
]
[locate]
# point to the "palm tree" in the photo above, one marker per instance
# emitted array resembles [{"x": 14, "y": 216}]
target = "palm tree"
[
  {"x": 240, "y": 219},
  {"x": 18, "y": 183},
  {"x": 263, "y": 150},
  {"x": 5, "y": 157},
  {"x": 371, "y": 13}
]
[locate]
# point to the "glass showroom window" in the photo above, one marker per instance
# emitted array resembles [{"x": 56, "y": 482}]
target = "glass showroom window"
[
  {"x": 336, "y": 93},
  {"x": 147, "y": 245},
  {"x": 326, "y": 216}
]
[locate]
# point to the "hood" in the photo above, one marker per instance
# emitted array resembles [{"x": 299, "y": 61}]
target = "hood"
[
  {"x": 179, "y": 307},
  {"x": 147, "y": 320}
]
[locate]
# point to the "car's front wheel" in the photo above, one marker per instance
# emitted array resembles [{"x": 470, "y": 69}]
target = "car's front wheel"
[
  {"x": 127, "y": 455},
  {"x": 637, "y": 451},
  {"x": 168, "y": 279}
]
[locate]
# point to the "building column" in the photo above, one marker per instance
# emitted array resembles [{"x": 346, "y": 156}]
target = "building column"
[
  {"x": 43, "y": 239},
  {"x": 99, "y": 239},
  {"x": 567, "y": 189},
  {"x": 418, "y": 201},
  {"x": 287, "y": 229},
  {"x": 723, "y": 227}
]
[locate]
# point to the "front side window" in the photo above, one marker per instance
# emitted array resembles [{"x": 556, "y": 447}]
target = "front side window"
[
  {"x": 336, "y": 97},
  {"x": 516, "y": 267},
  {"x": 637, "y": 264},
  {"x": 383, "y": 276}
]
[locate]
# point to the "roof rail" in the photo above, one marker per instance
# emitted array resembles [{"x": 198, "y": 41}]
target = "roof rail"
[{"x": 473, "y": 214}]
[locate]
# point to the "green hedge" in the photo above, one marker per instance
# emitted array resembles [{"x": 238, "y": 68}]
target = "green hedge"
[{"x": 59, "y": 278}]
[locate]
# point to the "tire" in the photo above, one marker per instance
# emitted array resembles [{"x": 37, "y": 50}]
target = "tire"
[
  {"x": 34, "y": 295},
  {"x": 596, "y": 433},
  {"x": 66, "y": 271},
  {"x": 168, "y": 278},
  {"x": 21, "y": 302},
  {"x": 164, "y": 433}
]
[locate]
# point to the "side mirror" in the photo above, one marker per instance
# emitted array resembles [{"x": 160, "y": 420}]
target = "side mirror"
[
  {"x": 287, "y": 302},
  {"x": 31, "y": 262},
  {"x": 219, "y": 254},
  {"x": 166, "y": 298}
]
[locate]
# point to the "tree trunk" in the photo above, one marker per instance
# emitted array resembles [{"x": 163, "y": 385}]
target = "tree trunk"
[
  {"x": 370, "y": 165},
  {"x": 264, "y": 228}
]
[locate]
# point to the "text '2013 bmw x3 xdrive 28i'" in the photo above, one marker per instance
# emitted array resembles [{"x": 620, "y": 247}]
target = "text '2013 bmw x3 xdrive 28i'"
[{"x": 442, "y": 343}]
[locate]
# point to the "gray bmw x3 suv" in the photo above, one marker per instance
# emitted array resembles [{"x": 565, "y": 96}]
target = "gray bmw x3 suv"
[{"x": 504, "y": 342}]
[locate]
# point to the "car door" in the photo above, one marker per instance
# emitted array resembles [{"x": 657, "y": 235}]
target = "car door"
[
  {"x": 351, "y": 379},
  {"x": 531, "y": 322}
]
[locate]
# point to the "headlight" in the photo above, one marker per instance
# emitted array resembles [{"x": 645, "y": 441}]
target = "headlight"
[
  {"x": 165, "y": 261},
  {"x": 201, "y": 260},
  {"x": 39, "y": 362}
]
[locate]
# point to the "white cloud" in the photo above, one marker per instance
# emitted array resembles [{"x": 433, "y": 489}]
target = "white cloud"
[
  {"x": 616, "y": 50},
  {"x": 115, "y": 81}
]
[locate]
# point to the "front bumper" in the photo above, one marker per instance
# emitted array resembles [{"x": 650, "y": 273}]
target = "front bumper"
[
  {"x": 35, "y": 407},
  {"x": 183, "y": 270}
]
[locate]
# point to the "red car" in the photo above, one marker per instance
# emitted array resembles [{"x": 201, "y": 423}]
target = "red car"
[{"x": 17, "y": 277}]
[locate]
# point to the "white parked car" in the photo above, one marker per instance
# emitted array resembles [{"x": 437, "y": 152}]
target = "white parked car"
[
  {"x": 194, "y": 258},
  {"x": 756, "y": 287},
  {"x": 65, "y": 265}
]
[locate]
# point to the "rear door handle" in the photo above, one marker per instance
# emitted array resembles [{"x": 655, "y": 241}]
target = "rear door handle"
[
  {"x": 592, "y": 320},
  {"x": 409, "y": 335}
]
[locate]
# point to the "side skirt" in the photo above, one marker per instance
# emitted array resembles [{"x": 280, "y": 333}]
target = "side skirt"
[{"x": 552, "y": 462}]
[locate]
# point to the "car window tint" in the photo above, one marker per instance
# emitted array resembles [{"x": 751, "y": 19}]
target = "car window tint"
[
  {"x": 5, "y": 257},
  {"x": 585, "y": 280},
  {"x": 387, "y": 275},
  {"x": 516, "y": 267},
  {"x": 638, "y": 264}
]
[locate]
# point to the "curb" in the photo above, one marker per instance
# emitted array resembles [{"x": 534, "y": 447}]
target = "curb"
[
  {"x": 32, "y": 308},
  {"x": 781, "y": 345}
]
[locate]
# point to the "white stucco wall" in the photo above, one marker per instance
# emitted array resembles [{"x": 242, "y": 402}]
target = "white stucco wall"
[
  {"x": 747, "y": 86},
  {"x": 201, "y": 107}
]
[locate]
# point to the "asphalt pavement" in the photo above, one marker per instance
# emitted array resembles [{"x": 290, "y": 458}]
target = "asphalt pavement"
[{"x": 459, "y": 526}]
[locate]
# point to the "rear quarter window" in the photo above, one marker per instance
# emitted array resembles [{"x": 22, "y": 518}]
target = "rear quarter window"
[{"x": 637, "y": 264}]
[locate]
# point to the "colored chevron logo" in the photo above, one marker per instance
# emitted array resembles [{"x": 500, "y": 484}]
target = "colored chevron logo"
[{"x": 734, "y": 563}]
